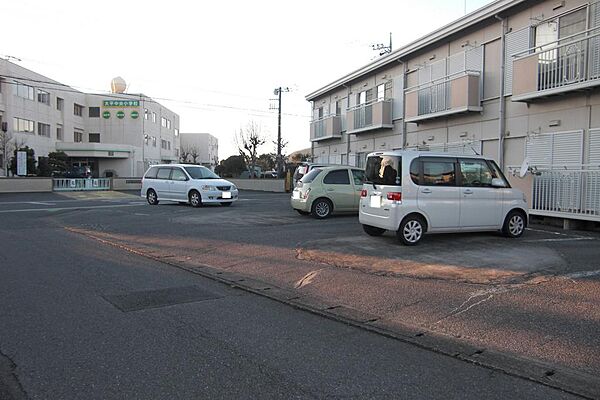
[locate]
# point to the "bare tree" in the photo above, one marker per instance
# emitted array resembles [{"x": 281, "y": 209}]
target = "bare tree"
[
  {"x": 184, "y": 154},
  {"x": 6, "y": 148},
  {"x": 248, "y": 141},
  {"x": 188, "y": 152},
  {"x": 194, "y": 153}
]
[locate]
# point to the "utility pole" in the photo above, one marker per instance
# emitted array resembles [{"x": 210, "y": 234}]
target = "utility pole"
[{"x": 279, "y": 160}]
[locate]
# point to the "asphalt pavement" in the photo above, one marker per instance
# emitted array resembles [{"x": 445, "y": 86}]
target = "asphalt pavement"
[{"x": 107, "y": 297}]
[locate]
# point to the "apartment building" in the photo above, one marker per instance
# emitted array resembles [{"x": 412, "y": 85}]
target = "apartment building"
[
  {"x": 513, "y": 80},
  {"x": 204, "y": 146},
  {"x": 115, "y": 134}
]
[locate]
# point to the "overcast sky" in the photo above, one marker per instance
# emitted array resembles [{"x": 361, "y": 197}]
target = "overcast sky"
[{"x": 215, "y": 63}]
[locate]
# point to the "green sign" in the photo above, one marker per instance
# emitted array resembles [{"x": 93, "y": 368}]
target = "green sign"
[
  {"x": 121, "y": 103},
  {"x": 135, "y": 114},
  {"x": 120, "y": 114},
  {"x": 106, "y": 114}
]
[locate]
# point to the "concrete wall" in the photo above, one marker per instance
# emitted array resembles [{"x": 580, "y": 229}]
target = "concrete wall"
[
  {"x": 126, "y": 184},
  {"x": 25, "y": 185},
  {"x": 263, "y": 185}
]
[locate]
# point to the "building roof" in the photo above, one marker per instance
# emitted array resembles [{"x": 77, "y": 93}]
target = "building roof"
[{"x": 488, "y": 11}]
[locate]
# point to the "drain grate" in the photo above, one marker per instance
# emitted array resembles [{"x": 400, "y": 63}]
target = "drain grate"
[{"x": 146, "y": 299}]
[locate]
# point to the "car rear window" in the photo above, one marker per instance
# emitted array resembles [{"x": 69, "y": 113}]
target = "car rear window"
[
  {"x": 308, "y": 178},
  {"x": 151, "y": 174},
  {"x": 384, "y": 170}
]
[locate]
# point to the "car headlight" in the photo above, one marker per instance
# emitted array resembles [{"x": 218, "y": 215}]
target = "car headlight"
[
  {"x": 233, "y": 187},
  {"x": 208, "y": 188}
]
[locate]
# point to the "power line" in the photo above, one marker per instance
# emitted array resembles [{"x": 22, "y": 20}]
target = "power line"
[{"x": 70, "y": 89}]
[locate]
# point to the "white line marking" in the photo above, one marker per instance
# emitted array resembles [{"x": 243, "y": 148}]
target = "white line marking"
[
  {"x": 560, "y": 240},
  {"x": 69, "y": 208},
  {"x": 547, "y": 232},
  {"x": 43, "y": 203}
]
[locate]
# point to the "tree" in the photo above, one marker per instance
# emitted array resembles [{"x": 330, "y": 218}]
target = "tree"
[
  {"x": 6, "y": 147},
  {"x": 30, "y": 160},
  {"x": 194, "y": 153},
  {"x": 230, "y": 167},
  {"x": 266, "y": 161},
  {"x": 248, "y": 141},
  {"x": 58, "y": 161},
  {"x": 184, "y": 154}
]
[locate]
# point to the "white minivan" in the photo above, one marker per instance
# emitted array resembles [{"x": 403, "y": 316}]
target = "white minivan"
[
  {"x": 414, "y": 192},
  {"x": 187, "y": 183}
]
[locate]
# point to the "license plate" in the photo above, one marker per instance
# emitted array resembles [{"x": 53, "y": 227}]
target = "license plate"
[
  {"x": 226, "y": 195},
  {"x": 295, "y": 194},
  {"x": 376, "y": 201}
]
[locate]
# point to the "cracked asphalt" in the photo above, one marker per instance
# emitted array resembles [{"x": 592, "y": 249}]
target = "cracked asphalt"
[{"x": 527, "y": 307}]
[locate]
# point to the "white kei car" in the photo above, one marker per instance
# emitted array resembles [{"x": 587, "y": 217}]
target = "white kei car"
[{"x": 193, "y": 184}]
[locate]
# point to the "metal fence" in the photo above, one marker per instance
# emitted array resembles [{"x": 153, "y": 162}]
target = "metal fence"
[
  {"x": 79, "y": 184},
  {"x": 363, "y": 116},
  {"x": 434, "y": 98},
  {"x": 566, "y": 193}
]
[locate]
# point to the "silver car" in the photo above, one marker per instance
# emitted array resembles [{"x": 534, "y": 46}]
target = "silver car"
[{"x": 185, "y": 183}]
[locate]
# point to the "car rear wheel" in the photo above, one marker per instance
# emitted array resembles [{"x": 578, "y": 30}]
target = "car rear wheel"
[
  {"x": 195, "y": 198},
  {"x": 322, "y": 208},
  {"x": 514, "y": 224},
  {"x": 373, "y": 230},
  {"x": 151, "y": 197},
  {"x": 411, "y": 230}
]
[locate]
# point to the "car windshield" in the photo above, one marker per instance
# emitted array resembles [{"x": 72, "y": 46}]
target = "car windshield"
[
  {"x": 308, "y": 178},
  {"x": 201, "y": 173},
  {"x": 384, "y": 170}
]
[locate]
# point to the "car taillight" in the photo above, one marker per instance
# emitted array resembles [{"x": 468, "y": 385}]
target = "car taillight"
[
  {"x": 394, "y": 196},
  {"x": 363, "y": 193},
  {"x": 305, "y": 196}
]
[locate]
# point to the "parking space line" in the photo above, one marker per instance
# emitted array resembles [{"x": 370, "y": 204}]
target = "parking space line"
[
  {"x": 567, "y": 239},
  {"x": 70, "y": 208}
]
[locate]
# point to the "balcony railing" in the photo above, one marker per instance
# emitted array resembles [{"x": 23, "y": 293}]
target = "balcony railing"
[
  {"x": 569, "y": 192},
  {"x": 373, "y": 115},
  {"x": 568, "y": 64},
  {"x": 456, "y": 94},
  {"x": 329, "y": 127}
]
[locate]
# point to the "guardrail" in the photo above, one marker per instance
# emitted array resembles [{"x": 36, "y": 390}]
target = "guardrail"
[{"x": 79, "y": 184}]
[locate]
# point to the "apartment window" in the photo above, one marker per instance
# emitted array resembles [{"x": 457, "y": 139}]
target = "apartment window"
[
  {"x": 78, "y": 137},
  {"x": 163, "y": 122},
  {"x": 153, "y": 141},
  {"x": 163, "y": 144},
  {"x": 168, "y": 145},
  {"x": 59, "y": 132},
  {"x": 145, "y": 113},
  {"x": 23, "y": 125},
  {"x": 60, "y": 103},
  {"x": 94, "y": 112},
  {"x": 168, "y": 124},
  {"x": 77, "y": 110},
  {"x": 43, "y": 129},
  {"x": 43, "y": 97},
  {"x": 381, "y": 92},
  {"x": 94, "y": 138},
  {"x": 154, "y": 117},
  {"x": 176, "y": 132},
  {"x": 24, "y": 91},
  {"x": 364, "y": 96},
  {"x": 552, "y": 30},
  {"x": 176, "y": 152}
]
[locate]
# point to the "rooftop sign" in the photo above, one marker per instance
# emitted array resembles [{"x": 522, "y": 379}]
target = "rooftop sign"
[{"x": 121, "y": 103}]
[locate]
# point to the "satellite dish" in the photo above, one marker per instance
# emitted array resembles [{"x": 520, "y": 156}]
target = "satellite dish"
[{"x": 524, "y": 168}]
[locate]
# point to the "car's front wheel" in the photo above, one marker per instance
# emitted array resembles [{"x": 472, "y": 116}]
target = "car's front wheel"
[
  {"x": 373, "y": 230},
  {"x": 195, "y": 198},
  {"x": 514, "y": 224},
  {"x": 151, "y": 197},
  {"x": 411, "y": 230}
]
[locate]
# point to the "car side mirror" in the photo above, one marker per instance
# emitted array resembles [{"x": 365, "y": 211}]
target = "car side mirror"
[{"x": 498, "y": 183}]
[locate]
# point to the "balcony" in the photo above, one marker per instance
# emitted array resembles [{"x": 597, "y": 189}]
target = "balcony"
[
  {"x": 556, "y": 68},
  {"x": 456, "y": 94},
  {"x": 369, "y": 116},
  {"x": 329, "y": 127}
]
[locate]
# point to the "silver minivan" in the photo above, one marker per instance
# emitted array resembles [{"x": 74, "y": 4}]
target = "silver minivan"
[
  {"x": 187, "y": 183},
  {"x": 414, "y": 192}
]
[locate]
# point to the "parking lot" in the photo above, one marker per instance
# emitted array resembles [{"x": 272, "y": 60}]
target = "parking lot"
[{"x": 533, "y": 298}]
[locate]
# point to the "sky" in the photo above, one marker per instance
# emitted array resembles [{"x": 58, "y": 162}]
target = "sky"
[{"x": 216, "y": 63}]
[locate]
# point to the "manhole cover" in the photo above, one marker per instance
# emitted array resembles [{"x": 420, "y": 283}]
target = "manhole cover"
[{"x": 145, "y": 299}]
